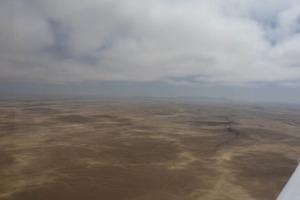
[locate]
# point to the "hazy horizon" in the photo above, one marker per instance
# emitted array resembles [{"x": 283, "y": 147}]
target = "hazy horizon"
[
  {"x": 240, "y": 50},
  {"x": 155, "y": 90}
]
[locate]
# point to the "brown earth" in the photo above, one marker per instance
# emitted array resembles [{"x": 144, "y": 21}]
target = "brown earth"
[{"x": 75, "y": 150}]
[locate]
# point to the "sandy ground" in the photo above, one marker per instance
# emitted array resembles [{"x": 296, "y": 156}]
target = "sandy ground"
[{"x": 117, "y": 150}]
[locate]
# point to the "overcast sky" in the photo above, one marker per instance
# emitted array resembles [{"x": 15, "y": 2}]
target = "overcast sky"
[{"x": 164, "y": 47}]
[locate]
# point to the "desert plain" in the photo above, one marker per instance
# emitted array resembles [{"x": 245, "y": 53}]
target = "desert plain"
[{"x": 146, "y": 150}]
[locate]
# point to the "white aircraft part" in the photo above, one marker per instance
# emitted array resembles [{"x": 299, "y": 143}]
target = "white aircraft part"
[{"x": 291, "y": 191}]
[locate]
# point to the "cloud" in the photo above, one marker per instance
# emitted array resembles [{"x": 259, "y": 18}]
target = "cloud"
[{"x": 215, "y": 42}]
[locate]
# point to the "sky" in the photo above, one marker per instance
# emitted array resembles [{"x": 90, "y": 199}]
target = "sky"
[{"x": 238, "y": 49}]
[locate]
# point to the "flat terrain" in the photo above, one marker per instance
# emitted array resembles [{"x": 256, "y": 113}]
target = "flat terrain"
[{"x": 122, "y": 150}]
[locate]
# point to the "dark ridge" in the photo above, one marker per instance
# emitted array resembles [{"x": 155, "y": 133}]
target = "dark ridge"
[
  {"x": 36, "y": 104},
  {"x": 163, "y": 113},
  {"x": 213, "y": 123},
  {"x": 75, "y": 119},
  {"x": 112, "y": 118},
  {"x": 268, "y": 135},
  {"x": 42, "y": 110},
  {"x": 9, "y": 127},
  {"x": 105, "y": 116},
  {"x": 123, "y": 120},
  {"x": 289, "y": 123},
  {"x": 236, "y": 135}
]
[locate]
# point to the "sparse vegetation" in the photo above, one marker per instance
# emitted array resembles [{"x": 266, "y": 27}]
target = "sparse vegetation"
[{"x": 138, "y": 151}]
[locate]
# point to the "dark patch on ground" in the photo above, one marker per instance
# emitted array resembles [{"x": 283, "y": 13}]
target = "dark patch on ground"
[
  {"x": 212, "y": 123},
  {"x": 143, "y": 151},
  {"x": 105, "y": 116},
  {"x": 122, "y": 121},
  {"x": 267, "y": 135},
  {"x": 234, "y": 135},
  {"x": 112, "y": 183},
  {"x": 263, "y": 168},
  {"x": 6, "y": 159},
  {"x": 75, "y": 119},
  {"x": 203, "y": 146},
  {"x": 7, "y": 128},
  {"x": 163, "y": 113},
  {"x": 11, "y": 127},
  {"x": 42, "y": 111}
]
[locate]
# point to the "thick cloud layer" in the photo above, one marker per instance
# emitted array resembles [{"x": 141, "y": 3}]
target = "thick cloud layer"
[{"x": 206, "y": 42}]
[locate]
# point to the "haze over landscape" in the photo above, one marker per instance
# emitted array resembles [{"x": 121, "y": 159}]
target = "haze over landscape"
[{"x": 146, "y": 100}]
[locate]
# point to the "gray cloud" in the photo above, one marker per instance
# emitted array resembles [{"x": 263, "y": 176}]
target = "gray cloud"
[{"x": 214, "y": 42}]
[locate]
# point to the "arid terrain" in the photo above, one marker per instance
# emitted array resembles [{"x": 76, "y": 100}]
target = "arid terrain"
[{"x": 145, "y": 150}]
